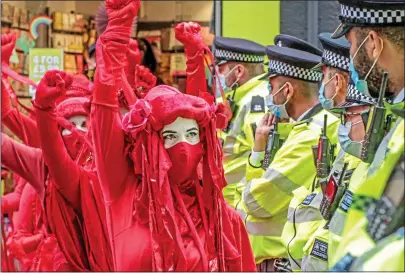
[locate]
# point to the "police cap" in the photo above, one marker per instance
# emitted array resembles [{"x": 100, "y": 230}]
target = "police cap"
[
  {"x": 284, "y": 40},
  {"x": 293, "y": 63},
  {"x": 336, "y": 52},
  {"x": 369, "y": 13},
  {"x": 237, "y": 50}
]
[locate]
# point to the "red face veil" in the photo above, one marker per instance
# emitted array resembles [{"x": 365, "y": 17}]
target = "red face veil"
[{"x": 65, "y": 110}]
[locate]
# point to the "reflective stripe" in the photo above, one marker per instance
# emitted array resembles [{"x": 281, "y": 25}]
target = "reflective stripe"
[
  {"x": 252, "y": 205},
  {"x": 311, "y": 264},
  {"x": 280, "y": 181},
  {"x": 229, "y": 143},
  {"x": 307, "y": 214},
  {"x": 294, "y": 265},
  {"x": 268, "y": 228},
  {"x": 337, "y": 223},
  {"x": 381, "y": 150}
]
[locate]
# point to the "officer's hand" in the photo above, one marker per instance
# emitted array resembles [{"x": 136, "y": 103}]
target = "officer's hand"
[{"x": 262, "y": 132}]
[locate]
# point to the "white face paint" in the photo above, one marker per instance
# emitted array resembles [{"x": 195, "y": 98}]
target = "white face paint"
[
  {"x": 181, "y": 130},
  {"x": 79, "y": 122}
]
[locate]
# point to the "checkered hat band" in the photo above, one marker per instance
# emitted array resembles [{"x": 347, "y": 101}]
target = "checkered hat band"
[
  {"x": 238, "y": 57},
  {"x": 354, "y": 95},
  {"x": 372, "y": 16},
  {"x": 294, "y": 71},
  {"x": 336, "y": 60}
]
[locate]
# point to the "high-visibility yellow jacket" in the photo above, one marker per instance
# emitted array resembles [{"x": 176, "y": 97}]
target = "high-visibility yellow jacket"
[
  {"x": 265, "y": 200},
  {"x": 387, "y": 255},
  {"x": 355, "y": 239},
  {"x": 239, "y": 140},
  {"x": 304, "y": 220},
  {"x": 315, "y": 257}
]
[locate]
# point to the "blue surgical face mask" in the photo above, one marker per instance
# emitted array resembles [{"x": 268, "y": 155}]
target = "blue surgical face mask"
[
  {"x": 349, "y": 146},
  {"x": 269, "y": 87},
  {"x": 279, "y": 111},
  {"x": 327, "y": 104},
  {"x": 361, "y": 84},
  {"x": 222, "y": 81}
]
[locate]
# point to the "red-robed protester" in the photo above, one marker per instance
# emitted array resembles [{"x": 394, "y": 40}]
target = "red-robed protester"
[
  {"x": 74, "y": 206},
  {"x": 149, "y": 175}
]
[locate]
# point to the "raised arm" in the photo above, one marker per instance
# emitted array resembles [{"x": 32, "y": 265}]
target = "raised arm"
[
  {"x": 108, "y": 137},
  {"x": 61, "y": 166},
  {"x": 9, "y": 114},
  {"x": 27, "y": 162},
  {"x": 17, "y": 121},
  {"x": 189, "y": 34}
]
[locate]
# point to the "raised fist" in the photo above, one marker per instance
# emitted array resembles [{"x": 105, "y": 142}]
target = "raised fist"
[
  {"x": 123, "y": 11},
  {"x": 189, "y": 34},
  {"x": 52, "y": 86},
  {"x": 144, "y": 81},
  {"x": 7, "y": 45}
]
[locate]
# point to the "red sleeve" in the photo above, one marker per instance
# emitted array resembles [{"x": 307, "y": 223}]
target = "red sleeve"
[
  {"x": 10, "y": 202},
  {"x": 62, "y": 168},
  {"x": 25, "y": 161},
  {"x": 12, "y": 122},
  {"x": 25, "y": 221},
  {"x": 195, "y": 70}
]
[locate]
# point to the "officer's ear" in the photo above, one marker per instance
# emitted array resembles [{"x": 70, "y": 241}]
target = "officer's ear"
[
  {"x": 340, "y": 83},
  {"x": 288, "y": 90},
  {"x": 240, "y": 71},
  {"x": 375, "y": 46}
]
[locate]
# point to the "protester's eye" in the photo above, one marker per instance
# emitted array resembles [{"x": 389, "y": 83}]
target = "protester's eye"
[
  {"x": 192, "y": 134},
  {"x": 169, "y": 137}
]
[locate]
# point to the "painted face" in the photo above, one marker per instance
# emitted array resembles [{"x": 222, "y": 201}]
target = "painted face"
[
  {"x": 181, "y": 130},
  {"x": 79, "y": 122}
]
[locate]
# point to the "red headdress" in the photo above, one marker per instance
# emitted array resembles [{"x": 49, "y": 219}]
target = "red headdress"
[
  {"x": 160, "y": 107},
  {"x": 80, "y": 87}
]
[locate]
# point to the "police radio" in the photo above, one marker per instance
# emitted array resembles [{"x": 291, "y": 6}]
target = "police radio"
[
  {"x": 325, "y": 153},
  {"x": 273, "y": 145},
  {"x": 375, "y": 125},
  {"x": 234, "y": 109},
  {"x": 334, "y": 191}
]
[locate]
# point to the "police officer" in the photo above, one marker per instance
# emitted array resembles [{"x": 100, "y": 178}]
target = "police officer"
[
  {"x": 293, "y": 89},
  {"x": 375, "y": 31},
  {"x": 387, "y": 255},
  {"x": 240, "y": 66},
  {"x": 304, "y": 217}
]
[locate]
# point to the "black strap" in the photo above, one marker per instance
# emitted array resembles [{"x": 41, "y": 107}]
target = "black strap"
[{"x": 314, "y": 111}]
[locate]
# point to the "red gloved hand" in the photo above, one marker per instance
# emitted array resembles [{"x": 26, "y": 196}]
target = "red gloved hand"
[
  {"x": 122, "y": 12},
  {"x": 51, "y": 87},
  {"x": 5, "y": 101},
  {"x": 7, "y": 45},
  {"x": 134, "y": 59},
  {"x": 189, "y": 34},
  {"x": 144, "y": 82}
]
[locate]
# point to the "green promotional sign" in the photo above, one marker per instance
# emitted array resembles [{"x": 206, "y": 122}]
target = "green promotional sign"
[{"x": 42, "y": 60}]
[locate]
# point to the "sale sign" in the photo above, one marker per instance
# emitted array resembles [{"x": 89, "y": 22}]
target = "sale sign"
[{"x": 42, "y": 60}]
